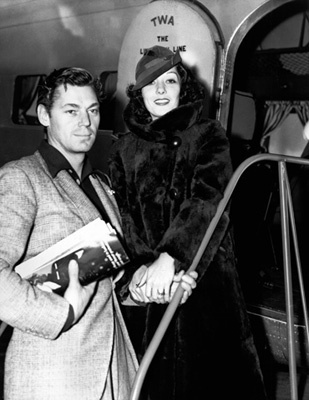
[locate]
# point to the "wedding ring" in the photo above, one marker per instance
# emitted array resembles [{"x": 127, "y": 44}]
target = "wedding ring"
[{"x": 161, "y": 294}]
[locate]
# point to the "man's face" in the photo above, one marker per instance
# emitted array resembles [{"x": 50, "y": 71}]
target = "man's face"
[{"x": 74, "y": 120}]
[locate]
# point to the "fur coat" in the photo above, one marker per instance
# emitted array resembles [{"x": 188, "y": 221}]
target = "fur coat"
[{"x": 169, "y": 176}]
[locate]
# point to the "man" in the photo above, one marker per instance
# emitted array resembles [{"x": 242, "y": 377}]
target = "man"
[{"x": 76, "y": 346}]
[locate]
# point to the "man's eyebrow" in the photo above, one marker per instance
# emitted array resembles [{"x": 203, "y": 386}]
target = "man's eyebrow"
[
  {"x": 96, "y": 104},
  {"x": 73, "y": 105}
]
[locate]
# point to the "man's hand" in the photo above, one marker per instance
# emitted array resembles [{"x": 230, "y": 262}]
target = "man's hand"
[{"x": 77, "y": 295}]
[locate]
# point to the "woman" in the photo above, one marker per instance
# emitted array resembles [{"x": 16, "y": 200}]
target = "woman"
[{"x": 169, "y": 173}]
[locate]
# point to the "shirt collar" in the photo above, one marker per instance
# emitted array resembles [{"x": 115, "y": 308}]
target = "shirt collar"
[{"x": 56, "y": 161}]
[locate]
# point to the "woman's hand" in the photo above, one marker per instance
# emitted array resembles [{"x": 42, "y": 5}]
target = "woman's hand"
[
  {"x": 159, "y": 278},
  {"x": 137, "y": 285},
  {"x": 140, "y": 286},
  {"x": 188, "y": 283}
]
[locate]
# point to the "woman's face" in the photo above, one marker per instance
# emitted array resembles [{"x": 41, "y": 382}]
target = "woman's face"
[{"x": 162, "y": 95}]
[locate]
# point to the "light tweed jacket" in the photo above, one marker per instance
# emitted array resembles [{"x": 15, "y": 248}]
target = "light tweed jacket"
[{"x": 94, "y": 359}]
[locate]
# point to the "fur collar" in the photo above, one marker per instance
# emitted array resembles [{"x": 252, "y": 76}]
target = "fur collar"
[{"x": 163, "y": 128}]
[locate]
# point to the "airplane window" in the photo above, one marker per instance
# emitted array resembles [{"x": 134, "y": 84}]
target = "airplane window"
[{"x": 25, "y": 97}]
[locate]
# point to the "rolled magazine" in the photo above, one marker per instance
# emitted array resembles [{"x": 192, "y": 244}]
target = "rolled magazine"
[{"x": 96, "y": 247}]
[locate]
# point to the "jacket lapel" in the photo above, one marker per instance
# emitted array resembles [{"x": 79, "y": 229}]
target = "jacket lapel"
[
  {"x": 77, "y": 198},
  {"x": 81, "y": 203},
  {"x": 108, "y": 200}
]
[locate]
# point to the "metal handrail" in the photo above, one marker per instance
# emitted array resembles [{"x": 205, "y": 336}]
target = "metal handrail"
[{"x": 286, "y": 207}]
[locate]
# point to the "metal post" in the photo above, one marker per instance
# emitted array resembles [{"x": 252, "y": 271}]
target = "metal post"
[
  {"x": 287, "y": 278},
  {"x": 298, "y": 262}
]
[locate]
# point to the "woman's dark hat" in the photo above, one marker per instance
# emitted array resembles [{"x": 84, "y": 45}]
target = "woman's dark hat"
[{"x": 155, "y": 61}]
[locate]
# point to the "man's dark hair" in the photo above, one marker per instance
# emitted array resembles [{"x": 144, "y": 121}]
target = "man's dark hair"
[{"x": 47, "y": 91}]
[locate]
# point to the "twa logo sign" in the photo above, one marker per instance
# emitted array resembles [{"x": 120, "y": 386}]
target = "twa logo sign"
[{"x": 163, "y": 20}]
